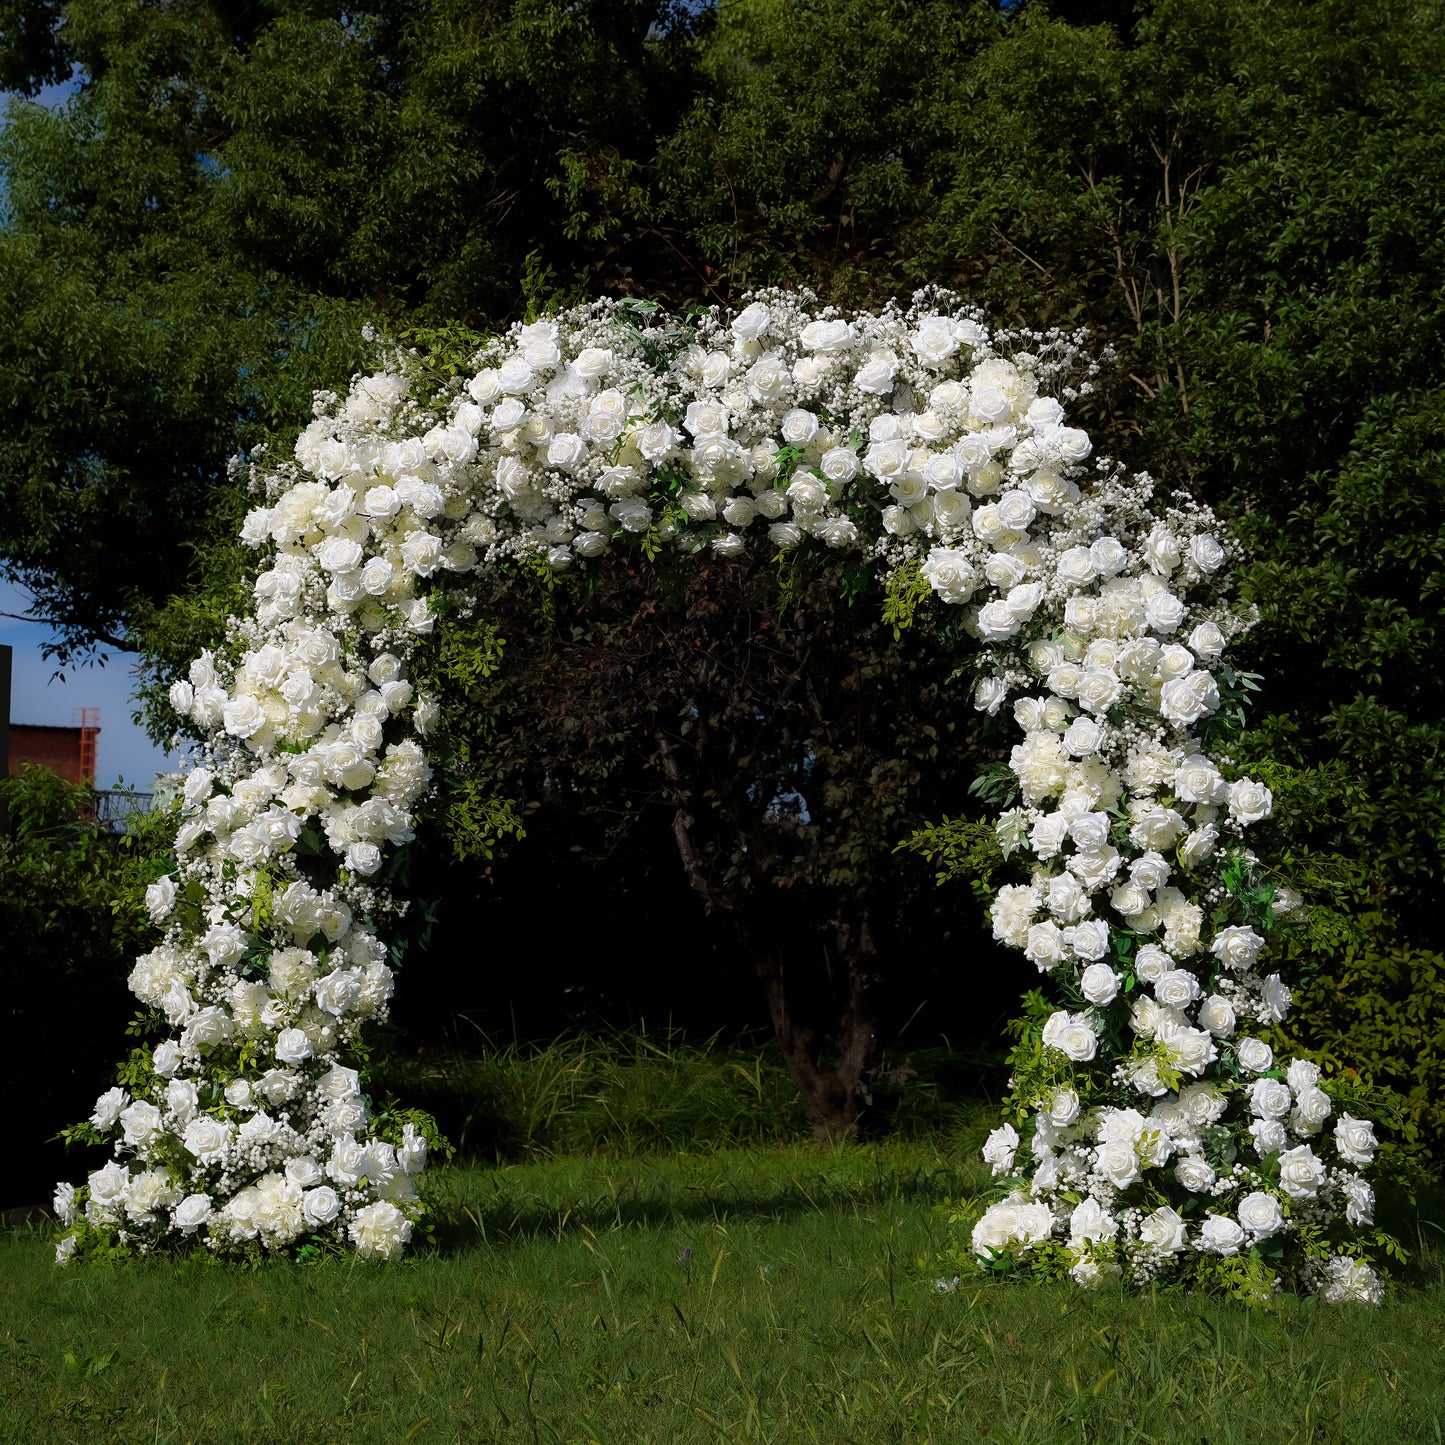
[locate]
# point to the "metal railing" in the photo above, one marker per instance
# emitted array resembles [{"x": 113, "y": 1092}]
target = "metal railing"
[{"x": 115, "y": 807}]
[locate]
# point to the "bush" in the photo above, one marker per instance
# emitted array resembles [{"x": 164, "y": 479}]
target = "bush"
[{"x": 72, "y": 916}]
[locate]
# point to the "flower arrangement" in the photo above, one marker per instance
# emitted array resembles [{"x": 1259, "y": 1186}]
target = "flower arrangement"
[{"x": 1160, "y": 1138}]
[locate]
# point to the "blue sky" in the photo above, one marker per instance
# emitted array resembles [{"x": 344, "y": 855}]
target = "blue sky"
[{"x": 37, "y": 696}]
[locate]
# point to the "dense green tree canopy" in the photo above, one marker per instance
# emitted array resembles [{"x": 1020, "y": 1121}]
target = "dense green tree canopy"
[{"x": 1246, "y": 202}]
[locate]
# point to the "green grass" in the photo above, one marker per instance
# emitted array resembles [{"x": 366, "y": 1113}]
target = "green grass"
[
  {"x": 776, "y": 1294},
  {"x": 635, "y": 1092}
]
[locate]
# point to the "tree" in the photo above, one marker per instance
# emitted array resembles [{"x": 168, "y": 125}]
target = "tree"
[
  {"x": 768, "y": 723},
  {"x": 194, "y": 240}
]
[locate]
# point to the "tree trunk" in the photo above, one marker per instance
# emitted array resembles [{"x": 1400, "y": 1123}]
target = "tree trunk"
[{"x": 835, "y": 1096}]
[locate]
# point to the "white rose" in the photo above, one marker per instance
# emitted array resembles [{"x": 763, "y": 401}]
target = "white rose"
[
  {"x": 108, "y": 1108},
  {"x": 192, "y": 1212},
  {"x": 1249, "y": 802},
  {"x": 1062, "y": 1108},
  {"x": 1351, "y": 1281},
  {"x": 632, "y": 513},
  {"x": 934, "y": 341},
  {"x": 1091, "y": 1223},
  {"x": 1098, "y": 689},
  {"x": 1161, "y": 551},
  {"x": 751, "y": 322},
  {"x": 1190, "y": 1050},
  {"x": 1130, "y": 899},
  {"x": 1254, "y": 1055},
  {"x": 1099, "y": 983},
  {"x": 996, "y": 621},
  {"x": 1300, "y": 1172},
  {"x": 1163, "y": 1230},
  {"x": 1360, "y": 1199},
  {"x": 1221, "y": 1235},
  {"x": 139, "y": 1123},
  {"x": 875, "y": 376},
  {"x": 1269, "y": 1099},
  {"x": 320, "y": 1205},
  {"x": 1187, "y": 699},
  {"x": 1083, "y": 737},
  {"x": 1072, "y": 1035},
  {"x": 1088, "y": 940},
  {"x": 1194, "y": 1174},
  {"x": 1000, "y": 1148},
  {"x": 1199, "y": 845},
  {"x": 380, "y": 1231},
  {"x": 1164, "y": 611},
  {"x": 1199, "y": 781},
  {"x": 1118, "y": 1163},
  {"x": 566, "y": 451},
  {"x": 293, "y": 1047},
  {"x": 826, "y": 336},
  {"x": 363, "y": 858},
  {"x": 1269, "y": 1136},
  {"x": 1216, "y": 1014},
  {"x": 1207, "y": 641},
  {"x": 1208, "y": 555},
  {"x": 1045, "y": 946},
  {"x": 244, "y": 717},
  {"x": 655, "y": 440},
  {"x": 206, "y": 1138},
  {"x": 1177, "y": 989},
  {"x": 1355, "y": 1140},
  {"x": 1275, "y": 998},
  {"x": 1312, "y": 1108},
  {"x": 1108, "y": 556}
]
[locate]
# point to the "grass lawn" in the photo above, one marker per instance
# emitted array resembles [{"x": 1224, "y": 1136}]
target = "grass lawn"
[{"x": 781, "y": 1293}]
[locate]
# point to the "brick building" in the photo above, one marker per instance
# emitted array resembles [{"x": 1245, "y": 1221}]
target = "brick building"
[{"x": 69, "y": 751}]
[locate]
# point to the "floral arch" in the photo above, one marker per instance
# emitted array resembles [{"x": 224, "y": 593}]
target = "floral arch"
[{"x": 1161, "y": 1139}]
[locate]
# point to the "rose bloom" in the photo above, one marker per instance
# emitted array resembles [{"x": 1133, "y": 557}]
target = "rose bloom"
[
  {"x": 1355, "y": 1140},
  {"x": 1351, "y": 1281},
  {"x": 998, "y": 1151},
  {"x": 1311, "y": 1109},
  {"x": 1221, "y": 1235},
  {"x": 1194, "y": 1174},
  {"x": 1118, "y": 1163},
  {"x": 1260, "y": 1214},
  {"x": 1062, "y": 1108},
  {"x": 1163, "y": 1230},
  {"x": 192, "y": 1212},
  {"x": 1089, "y": 940},
  {"x": 1269, "y": 1099},
  {"x": 1300, "y": 1172},
  {"x": 1072, "y": 1035},
  {"x": 1099, "y": 983},
  {"x": 1269, "y": 1136},
  {"x": 1254, "y": 1055},
  {"x": 1249, "y": 802},
  {"x": 1091, "y": 1223},
  {"x": 380, "y": 1231}
]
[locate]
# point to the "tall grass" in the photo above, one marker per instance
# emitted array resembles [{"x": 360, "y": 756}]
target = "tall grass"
[
  {"x": 634, "y": 1093},
  {"x": 772, "y": 1294}
]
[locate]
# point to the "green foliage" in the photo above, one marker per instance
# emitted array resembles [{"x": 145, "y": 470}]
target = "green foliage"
[
  {"x": 961, "y": 848},
  {"x": 1245, "y": 202},
  {"x": 906, "y": 590},
  {"x": 72, "y": 918},
  {"x": 622, "y": 1095}
]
